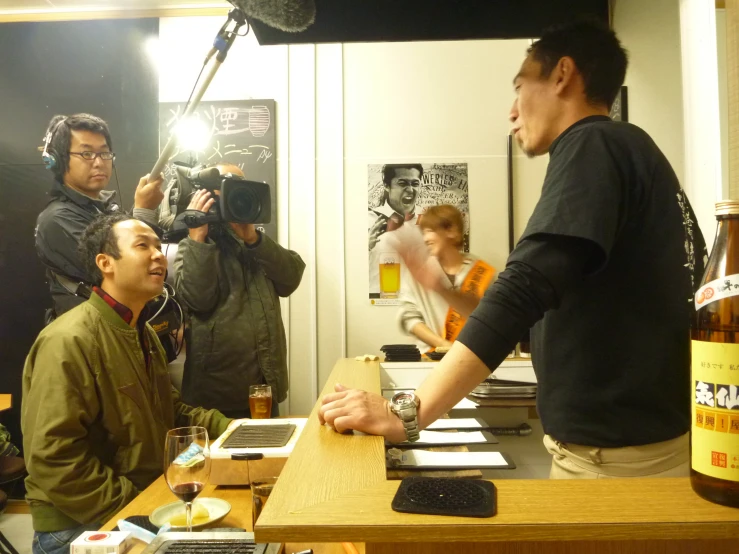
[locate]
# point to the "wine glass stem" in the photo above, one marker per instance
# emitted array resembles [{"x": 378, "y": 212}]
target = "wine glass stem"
[{"x": 188, "y": 511}]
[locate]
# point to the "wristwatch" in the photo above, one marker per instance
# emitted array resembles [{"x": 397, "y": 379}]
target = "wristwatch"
[{"x": 405, "y": 406}]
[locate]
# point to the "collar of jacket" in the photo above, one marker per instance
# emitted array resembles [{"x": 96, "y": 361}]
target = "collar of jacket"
[
  {"x": 58, "y": 190},
  {"x": 108, "y": 313}
]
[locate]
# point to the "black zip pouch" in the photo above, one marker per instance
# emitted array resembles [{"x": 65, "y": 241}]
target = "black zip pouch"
[{"x": 446, "y": 497}]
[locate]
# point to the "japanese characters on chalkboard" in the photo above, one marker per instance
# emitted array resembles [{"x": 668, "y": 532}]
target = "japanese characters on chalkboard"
[{"x": 240, "y": 132}]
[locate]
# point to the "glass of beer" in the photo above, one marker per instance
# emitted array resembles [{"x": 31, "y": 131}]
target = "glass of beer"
[
  {"x": 260, "y": 401},
  {"x": 389, "y": 275},
  {"x": 261, "y": 488}
]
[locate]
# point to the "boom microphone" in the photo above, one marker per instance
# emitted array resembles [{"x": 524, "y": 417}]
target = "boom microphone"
[{"x": 291, "y": 16}]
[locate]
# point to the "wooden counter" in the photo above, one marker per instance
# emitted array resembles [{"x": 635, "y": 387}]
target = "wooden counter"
[
  {"x": 333, "y": 488},
  {"x": 158, "y": 494}
]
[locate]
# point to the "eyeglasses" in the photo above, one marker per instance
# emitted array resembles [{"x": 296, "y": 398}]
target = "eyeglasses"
[{"x": 90, "y": 156}]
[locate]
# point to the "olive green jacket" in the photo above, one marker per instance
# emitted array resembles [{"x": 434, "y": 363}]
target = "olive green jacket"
[
  {"x": 235, "y": 335},
  {"x": 94, "y": 418}
]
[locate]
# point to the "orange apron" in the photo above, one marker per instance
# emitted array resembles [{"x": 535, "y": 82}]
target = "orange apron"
[{"x": 475, "y": 283}]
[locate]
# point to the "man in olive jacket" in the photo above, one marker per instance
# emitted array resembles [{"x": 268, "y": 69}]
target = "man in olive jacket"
[
  {"x": 97, "y": 397},
  {"x": 230, "y": 281}
]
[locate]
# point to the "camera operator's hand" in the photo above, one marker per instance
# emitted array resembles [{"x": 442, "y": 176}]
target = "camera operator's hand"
[
  {"x": 246, "y": 231},
  {"x": 202, "y": 202},
  {"x": 148, "y": 195}
]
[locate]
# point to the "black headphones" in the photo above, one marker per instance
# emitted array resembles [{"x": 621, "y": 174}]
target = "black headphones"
[{"x": 49, "y": 156}]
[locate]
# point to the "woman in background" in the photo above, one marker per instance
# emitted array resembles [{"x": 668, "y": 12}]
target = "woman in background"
[{"x": 435, "y": 310}]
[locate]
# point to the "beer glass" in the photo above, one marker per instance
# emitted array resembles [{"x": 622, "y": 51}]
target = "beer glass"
[
  {"x": 389, "y": 274},
  {"x": 260, "y": 401}
]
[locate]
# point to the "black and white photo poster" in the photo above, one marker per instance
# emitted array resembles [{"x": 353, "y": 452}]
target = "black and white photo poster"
[{"x": 397, "y": 196}]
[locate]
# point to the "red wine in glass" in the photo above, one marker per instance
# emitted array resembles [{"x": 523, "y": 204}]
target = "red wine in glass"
[
  {"x": 187, "y": 492},
  {"x": 187, "y": 464}
]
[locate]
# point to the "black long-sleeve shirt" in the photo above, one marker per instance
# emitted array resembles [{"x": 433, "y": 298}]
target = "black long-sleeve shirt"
[
  {"x": 605, "y": 272},
  {"x": 58, "y": 231}
]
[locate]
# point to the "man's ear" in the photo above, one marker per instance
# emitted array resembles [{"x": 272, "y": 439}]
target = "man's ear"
[
  {"x": 105, "y": 264},
  {"x": 564, "y": 74}
]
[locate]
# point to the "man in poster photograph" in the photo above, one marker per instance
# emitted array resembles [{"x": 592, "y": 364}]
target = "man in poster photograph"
[{"x": 397, "y": 196}]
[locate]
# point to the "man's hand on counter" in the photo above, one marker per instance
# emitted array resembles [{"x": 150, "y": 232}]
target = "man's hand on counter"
[{"x": 358, "y": 410}]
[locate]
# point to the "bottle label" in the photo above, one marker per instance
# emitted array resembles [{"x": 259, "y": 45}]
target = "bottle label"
[
  {"x": 715, "y": 409},
  {"x": 717, "y": 289}
]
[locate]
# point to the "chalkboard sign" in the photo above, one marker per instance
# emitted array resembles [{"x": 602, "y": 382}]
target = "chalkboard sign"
[{"x": 240, "y": 132}]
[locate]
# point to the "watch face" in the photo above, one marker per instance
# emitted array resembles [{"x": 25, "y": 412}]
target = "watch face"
[{"x": 403, "y": 399}]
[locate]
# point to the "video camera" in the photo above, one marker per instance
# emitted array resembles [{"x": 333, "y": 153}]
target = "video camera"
[{"x": 238, "y": 200}]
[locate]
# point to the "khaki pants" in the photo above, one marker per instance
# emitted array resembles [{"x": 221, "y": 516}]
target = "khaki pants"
[{"x": 662, "y": 459}]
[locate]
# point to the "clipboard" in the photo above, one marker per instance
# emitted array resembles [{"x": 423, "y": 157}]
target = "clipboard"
[
  {"x": 459, "y": 423},
  {"x": 418, "y": 459},
  {"x": 443, "y": 438}
]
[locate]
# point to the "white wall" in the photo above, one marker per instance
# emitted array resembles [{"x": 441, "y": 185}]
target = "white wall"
[
  {"x": 424, "y": 102},
  {"x": 672, "y": 90},
  {"x": 650, "y": 32}
]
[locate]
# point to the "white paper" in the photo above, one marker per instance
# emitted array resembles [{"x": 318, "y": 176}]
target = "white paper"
[
  {"x": 520, "y": 373},
  {"x": 463, "y": 437},
  {"x": 453, "y": 459},
  {"x": 455, "y": 423},
  {"x": 464, "y": 404}
]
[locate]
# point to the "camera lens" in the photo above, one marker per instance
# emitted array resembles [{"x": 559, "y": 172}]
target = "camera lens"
[{"x": 244, "y": 203}]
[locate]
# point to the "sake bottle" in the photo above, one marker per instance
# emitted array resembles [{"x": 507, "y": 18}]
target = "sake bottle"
[{"x": 714, "y": 433}]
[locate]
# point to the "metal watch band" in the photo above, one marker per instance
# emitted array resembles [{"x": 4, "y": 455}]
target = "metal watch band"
[{"x": 411, "y": 429}]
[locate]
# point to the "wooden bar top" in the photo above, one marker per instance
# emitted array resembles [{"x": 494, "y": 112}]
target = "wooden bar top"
[
  {"x": 158, "y": 494},
  {"x": 334, "y": 488}
]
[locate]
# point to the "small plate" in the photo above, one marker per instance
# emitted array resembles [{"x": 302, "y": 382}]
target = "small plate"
[{"x": 217, "y": 510}]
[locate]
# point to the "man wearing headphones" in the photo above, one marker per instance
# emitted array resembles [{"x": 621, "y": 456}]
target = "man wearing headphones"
[{"x": 79, "y": 151}]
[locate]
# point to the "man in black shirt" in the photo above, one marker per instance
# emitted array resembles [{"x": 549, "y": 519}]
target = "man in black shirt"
[
  {"x": 78, "y": 149},
  {"x": 604, "y": 274}
]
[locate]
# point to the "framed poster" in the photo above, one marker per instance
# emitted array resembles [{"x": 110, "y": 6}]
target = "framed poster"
[{"x": 397, "y": 195}]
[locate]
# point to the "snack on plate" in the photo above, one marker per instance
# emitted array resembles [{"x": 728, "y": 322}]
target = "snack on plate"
[{"x": 200, "y": 515}]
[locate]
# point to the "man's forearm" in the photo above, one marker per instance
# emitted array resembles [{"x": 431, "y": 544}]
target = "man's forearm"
[
  {"x": 537, "y": 276},
  {"x": 196, "y": 279},
  {"x": 282, "y": 266},
  {"x": 457, "y": 374}
]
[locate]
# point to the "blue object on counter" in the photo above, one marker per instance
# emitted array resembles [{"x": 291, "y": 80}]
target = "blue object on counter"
[{"x": 136, "y": 531}]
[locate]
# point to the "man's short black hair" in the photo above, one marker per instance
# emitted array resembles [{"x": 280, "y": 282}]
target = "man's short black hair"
[
  {"x": 62, "y": 126},
  {"x": 597, "y": 52},
  {"x": 100, "y": 238},
  {"x": 388, "y": 171}
]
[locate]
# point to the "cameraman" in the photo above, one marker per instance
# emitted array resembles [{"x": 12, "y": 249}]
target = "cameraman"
[
  {"x": 79, "y": 151},
  {"x": 230, "y": 277}
]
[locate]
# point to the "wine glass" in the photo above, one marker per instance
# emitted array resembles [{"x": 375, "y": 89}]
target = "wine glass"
[{"x": 187, "y": 464}]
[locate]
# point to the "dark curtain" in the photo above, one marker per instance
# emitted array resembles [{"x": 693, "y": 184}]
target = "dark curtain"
[{"x": 99, "y": 67}]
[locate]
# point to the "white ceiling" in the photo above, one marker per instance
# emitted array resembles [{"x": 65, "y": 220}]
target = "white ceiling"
[{"x": 51, "y": 6}]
